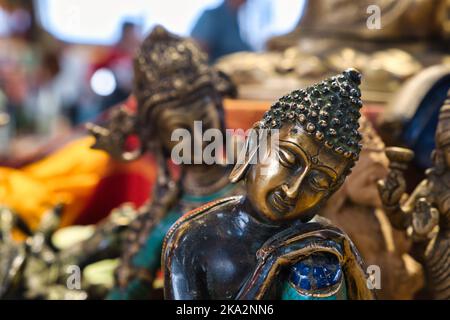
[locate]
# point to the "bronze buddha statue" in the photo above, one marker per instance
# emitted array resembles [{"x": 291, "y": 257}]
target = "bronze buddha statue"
[
  {"x": 424, "y": 214},
  {"x": 266, "y": 244}
]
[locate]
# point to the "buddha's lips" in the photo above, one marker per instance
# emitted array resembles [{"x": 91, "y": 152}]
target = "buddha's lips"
[{"x": 279, "y": 203}]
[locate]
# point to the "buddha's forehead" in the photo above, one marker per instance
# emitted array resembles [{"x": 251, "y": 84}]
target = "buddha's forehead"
[{"x": 316, "y": 150}]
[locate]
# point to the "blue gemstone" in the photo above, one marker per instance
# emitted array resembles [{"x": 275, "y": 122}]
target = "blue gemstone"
[{"x": 305, "y": 284}]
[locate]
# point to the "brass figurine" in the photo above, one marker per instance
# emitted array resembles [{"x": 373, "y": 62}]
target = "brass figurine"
[
  {"x": 425, "y": 213},
  {"x": 268, "y": 243},
  {"x": 174, "y": 86}
]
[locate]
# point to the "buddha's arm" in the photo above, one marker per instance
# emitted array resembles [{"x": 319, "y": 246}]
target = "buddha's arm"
[
  {"x": 184, "y": 275},
  {"x": 256, "y": 287}
]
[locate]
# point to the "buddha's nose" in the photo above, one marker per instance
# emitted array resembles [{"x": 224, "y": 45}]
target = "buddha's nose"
[{"x": 293, "y": 188}]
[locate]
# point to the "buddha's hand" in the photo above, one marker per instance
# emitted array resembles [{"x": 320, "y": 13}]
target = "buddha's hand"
[
  {"x": 392, "y": 188},
  {"x": 287, "y": 247},
  {"x": 424, "y": 218}
]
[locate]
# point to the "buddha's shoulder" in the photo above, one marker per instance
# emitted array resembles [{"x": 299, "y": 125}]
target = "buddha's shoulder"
[
  {"x": 199, "y": 218},
  {"x": 211, "y": 209}
]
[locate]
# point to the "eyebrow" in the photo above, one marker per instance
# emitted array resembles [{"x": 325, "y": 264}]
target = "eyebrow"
[{"x": 296, "y": 148}]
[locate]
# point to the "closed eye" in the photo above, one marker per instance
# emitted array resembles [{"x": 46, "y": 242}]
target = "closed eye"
[
  {"x": 287, "y": 158},
  {"x": 320, "y": 180}
]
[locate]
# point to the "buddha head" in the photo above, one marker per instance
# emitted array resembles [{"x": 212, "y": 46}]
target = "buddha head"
[
  {"x": 175, "y": 86},
  {"x": 318, "y": 144}
]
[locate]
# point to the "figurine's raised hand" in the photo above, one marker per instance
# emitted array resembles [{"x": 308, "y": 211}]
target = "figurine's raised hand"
[
  {"x": 114, "y": 136},
  {"x": 424, "y": 218},
  {"x": 392, "y": 188}
]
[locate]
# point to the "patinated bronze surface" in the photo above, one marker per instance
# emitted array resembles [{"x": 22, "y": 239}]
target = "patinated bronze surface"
[
  {"x": 401, "y": 19},
  {"x": 425, "y": 213},
  {"x": 263, "y": 245}
]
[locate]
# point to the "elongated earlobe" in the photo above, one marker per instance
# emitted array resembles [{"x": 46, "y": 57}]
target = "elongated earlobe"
[
  {"x": 240, "y": 168},
  {"x": 245, "y": 156}
]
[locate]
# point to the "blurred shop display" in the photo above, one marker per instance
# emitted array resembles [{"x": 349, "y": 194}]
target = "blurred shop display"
[
  {"x": 61, "y": 66},
  {"x": 335, "y": 34}
]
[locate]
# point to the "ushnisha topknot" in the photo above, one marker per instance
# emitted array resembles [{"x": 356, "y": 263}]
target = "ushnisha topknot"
[{"x": 328, "y": 110}]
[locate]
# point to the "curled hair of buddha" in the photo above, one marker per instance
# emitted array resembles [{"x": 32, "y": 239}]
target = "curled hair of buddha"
[{"x": 328, "y": 111}]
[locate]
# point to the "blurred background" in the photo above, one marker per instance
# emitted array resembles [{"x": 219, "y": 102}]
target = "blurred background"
[{"x": 63, "y": 62}]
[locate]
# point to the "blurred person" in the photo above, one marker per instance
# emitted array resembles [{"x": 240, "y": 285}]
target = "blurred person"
[
  {"x": 45, "y": 101},
  {"x": 5, "y": 125},
  {"x": 14, "y": 85},
  {"x": 74, "y": 64},
  {"x": 218, "y": 31},
  {"x": 118, "y": 60}
]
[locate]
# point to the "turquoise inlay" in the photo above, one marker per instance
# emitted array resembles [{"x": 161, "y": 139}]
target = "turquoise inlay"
[
  {"x": 210, "y": 197},
  {"x": 290, "y": 293},
  {"x": 134, "y": 290},
  {"x": 115, "y": 294},
  {"x": 149, "y": 256}
]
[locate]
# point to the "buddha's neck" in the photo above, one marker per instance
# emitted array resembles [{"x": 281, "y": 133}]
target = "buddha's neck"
[
  {"x": 205, "y": 179},
  {"x": 252, "y": 211}
]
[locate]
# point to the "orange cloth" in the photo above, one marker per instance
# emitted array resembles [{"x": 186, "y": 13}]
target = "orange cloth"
[{"x": 68, "y": 176}]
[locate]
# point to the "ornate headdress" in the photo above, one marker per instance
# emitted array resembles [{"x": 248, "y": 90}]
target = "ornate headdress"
[
  {"x": 168, "y": 67},
  {"x": 329, "y": 111}
]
